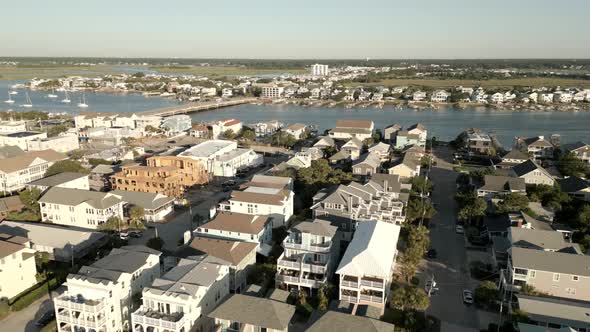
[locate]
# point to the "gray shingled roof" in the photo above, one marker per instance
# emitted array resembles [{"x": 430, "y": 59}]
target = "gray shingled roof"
[
  {"x": 551, "y": 261},
  {"x": 503, "y": 183},
  {"x": 537, "y": 239},
  {"x": 322, "y": 321},
  {"x": 516, "y": 154},
  {"x": 554, "y": 309},
  {"x": 317, "y": 227},
  {"x": 57, "y": 179},
  {"x": 527, "y": 167},
  {"x": 255, "y": 311},
  {"x": 73, "y": 197},
  {"x": 148, "y": 201},
  {"x": 572, "y": 184}
]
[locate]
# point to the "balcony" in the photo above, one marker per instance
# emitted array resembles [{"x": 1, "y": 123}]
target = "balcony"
[
  {"x": 372, "y": 282},
  {"x": 146, "y": 316},
  {"x": 79, "y": 303},
  {"x": 371, "y": 298},
  {"x": 95, "y": 323},
  {"x": 350, "y": 282},
  {"x": 314, "y": 247},
  {"x": 347, "y": 298}
]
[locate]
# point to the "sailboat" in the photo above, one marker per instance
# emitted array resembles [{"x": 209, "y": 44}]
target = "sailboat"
[
  {"x": 82, "y": 102},
  {"x": 13, "y": 92},
  {"x": 9, "y": 101},
  {"x": 28, "y": 103},
  {"x": 52, "y": 95},
  {"x": 66, "y": 99}
]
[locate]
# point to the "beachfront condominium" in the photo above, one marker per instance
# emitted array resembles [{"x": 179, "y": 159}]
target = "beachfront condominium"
[
  {"x": 319, "y": 70},
  {"x": 99, "y": 297},
  {"x": 180, "y": 300},
  {"x": 366, "y": 269},
  {"x": 309, "y": 256}
]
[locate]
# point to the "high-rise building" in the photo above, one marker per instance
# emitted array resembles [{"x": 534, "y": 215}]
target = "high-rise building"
[{"x": 319, "y": 70}]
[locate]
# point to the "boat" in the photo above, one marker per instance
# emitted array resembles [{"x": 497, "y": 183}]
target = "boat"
[
  {"x": 28, "y": 102},
  {"x": 82, "y": 102},
  {"x": 9, "y": 101},
  {"x": 66, "y": 99},
  {"x": 13, "y": 93},
  {"x": 52, "y": 95}
]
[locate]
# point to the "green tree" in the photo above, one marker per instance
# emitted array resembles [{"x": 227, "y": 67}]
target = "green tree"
[
  {"x": 486, "y": 293},
  {"x": 419, "y": 209},
  {"x": 56, "y": 130},
  {"x": 410, "y": 259},
  {"x": 330, "y": 151},
  {"x": 569, "y": 165},
  {"x": 136, "y": 213},
  {"x": 473, "y": 209},
  {"x": 282, "y": 138},
  {"x": 302, "y": 297},
  {"x": 112, "y": 224},
  {"x": 420, "y": 184},
  {"x": 410, "y": 297},
  {"x": 513, "y": 202},
  {"x": 229, "y": 134},
  {"x": 248, "y": 134},
  {"x": 30, "y": 199},
  {"x": 151, "y": 129},
  {"x": 419, "y": 237},
  {"x": 583, "y": 218},
  {"x": 324, "y": 297},
  {"x": 66, "y": 166}
]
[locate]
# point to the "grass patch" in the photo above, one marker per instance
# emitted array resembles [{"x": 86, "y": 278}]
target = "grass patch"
[{"x": 224, "y": 70}]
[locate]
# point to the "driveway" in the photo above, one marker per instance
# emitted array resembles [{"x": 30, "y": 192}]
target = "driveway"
[{"x": 24, "y": 320}]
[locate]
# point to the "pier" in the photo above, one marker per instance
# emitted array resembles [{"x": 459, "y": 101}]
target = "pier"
[{"x": 199, "y": 107}]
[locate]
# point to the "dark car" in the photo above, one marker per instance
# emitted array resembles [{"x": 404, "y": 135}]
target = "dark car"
[
  {"x": 135, "y": 234},
  {"x": 47, "y": 317},
  {"x": 431, "y": 253}
]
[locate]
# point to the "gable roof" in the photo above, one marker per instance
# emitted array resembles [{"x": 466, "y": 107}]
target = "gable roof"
[
  {"x": 527, "y": 167},
  {"x": 370, "y": 159},
  {"x": 418, "y": 126},
  {"x": 393, "y": 182},
  {"x": 255, "y": 311},
  {"x": 371, "y": 251},
  {"x": 57, "y": 179},
  {"x": 13, "y": 164},
  {"x": 316, "y": 227},
  {"x": 537, "y": 141},
  {"x": 556, "y": 262},
  {"x": 322, "y": 321},
  {"x": 237, "y": 222},
  {"x": 9, "y": 151},
  {"x": 361, "y": 124},
  {"x": 537, "y": 239},
  {"x": 148, "y": 201},
  {"x": 573, "y": 184},
  {"x": 516, "y": 154},
  {"x": 550, "y": 309},
  {"x": 230, "y": 251},
  {"x": 503, "y": 183},
  {"x": 73, "y": 197},
  {"x": 574, "y": 146}
]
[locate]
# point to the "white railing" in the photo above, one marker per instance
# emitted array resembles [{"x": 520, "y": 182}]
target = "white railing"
[
  {"x": 281, "y": 277},
  {"x": 86, "y": 307},
  {"x": 351, "y": 299},
  {"x": 157, "y": 322},
  {"x": 373, "y": 284},
  {"x": 520, "y": 276},
  {"x": 314, "y": 267},
  {"x": 309, "y": 247},
  {"x": 370, "y": 298},
  {"x": 351, "y": 284},
  {"x": 286, "y": 263},
  {"x": 96, "y": 323}
]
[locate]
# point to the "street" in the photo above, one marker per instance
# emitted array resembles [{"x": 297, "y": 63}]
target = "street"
[
  {"x": 24, "y": 320},
  {"x": 450, "y": 269}
]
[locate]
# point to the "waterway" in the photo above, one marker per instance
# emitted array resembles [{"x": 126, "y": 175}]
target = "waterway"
[
  {"x": 444, "y": 123},
  {"x": 97, "y": 102}
]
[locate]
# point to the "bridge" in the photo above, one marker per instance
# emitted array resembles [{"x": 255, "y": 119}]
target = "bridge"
[{"x": 198, "y": 107}]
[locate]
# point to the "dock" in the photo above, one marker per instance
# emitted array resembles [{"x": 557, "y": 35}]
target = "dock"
[{"x": 199, "y": 107}]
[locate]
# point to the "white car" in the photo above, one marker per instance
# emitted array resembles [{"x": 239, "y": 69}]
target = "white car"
[
  {"x": 467, "y": 296},
  {"x": 124, "y": 236},
  {"x": 459, "y": 229}
]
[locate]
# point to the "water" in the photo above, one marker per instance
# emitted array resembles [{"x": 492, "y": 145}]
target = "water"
[
  {"x": 98, "y": 102},
  {"x": 445, "y": 123}
]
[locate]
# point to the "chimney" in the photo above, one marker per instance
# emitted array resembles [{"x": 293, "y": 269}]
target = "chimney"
[
  {"x": 350, "y": 203},
  {"x": 385, "y": 185}
]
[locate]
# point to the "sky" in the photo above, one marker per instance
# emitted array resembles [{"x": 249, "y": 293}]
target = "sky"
[{"x": 297, "y": 29}]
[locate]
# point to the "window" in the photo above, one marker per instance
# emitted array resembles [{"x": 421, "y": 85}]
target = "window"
[
  {"x": 571, "y": 291},
  {"x": 575, "y": 278},
  {"x": 532, "y": 273},
  {"x": 555, "y": 276}
]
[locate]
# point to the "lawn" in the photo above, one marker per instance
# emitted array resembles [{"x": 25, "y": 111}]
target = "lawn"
[
  {"x": 493, "y": 83},
  {"x": 51, "y": 71}
]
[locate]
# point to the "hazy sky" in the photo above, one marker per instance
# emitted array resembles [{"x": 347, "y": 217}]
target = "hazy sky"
[{"x": 296, "y": 28}]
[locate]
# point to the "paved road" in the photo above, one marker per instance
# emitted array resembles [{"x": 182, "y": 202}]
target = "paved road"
[
  {"x": 450, "y": 268},
  {"x": 24, "y": 320}
]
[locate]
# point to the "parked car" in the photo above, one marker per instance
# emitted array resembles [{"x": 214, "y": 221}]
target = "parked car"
[
  {"x": 124, "y": 236},
  {"x": 467, "y": 296},
  {"x": 431, "y": 287},
  {"x": 47, "y": 317},
  {"x": 135, "y": 234},
  {"x": 459, "y": 229}
]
